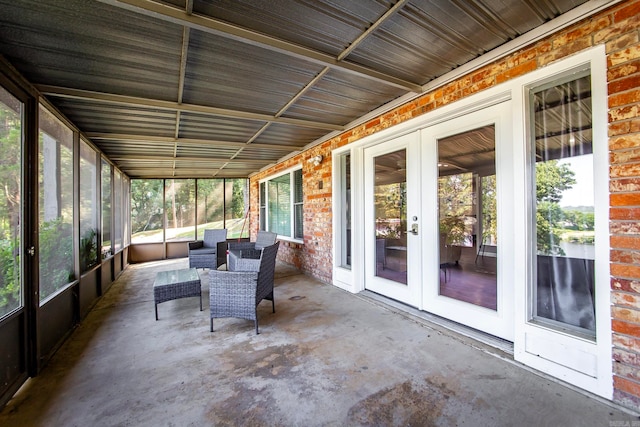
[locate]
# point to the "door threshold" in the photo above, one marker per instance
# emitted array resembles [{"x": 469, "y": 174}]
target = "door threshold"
[{"x": 438, "y": 322}]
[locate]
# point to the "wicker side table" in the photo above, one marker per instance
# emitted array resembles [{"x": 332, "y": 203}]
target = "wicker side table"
[{"x": 174, "y": 284}]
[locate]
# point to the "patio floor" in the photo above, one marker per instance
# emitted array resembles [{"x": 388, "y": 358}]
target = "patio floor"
[{"x": 325, "y": 358}]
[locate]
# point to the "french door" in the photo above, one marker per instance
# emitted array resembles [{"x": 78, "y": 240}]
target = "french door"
[
  {"x": 392, "y": 226},
  {"x": 466, "y": 249},
  {"x": 437, "y": 220}
]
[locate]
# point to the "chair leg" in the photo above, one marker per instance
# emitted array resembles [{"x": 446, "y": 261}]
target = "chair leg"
[
  {"x": 256, "y": 322},
  {"x": 212, "y": 324},
  {"x": 273, "y": 304},
  {"x": 156, "y": 311}
]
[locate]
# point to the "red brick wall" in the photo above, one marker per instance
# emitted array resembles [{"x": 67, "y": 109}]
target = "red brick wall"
[{"x": 618, "y": 29}]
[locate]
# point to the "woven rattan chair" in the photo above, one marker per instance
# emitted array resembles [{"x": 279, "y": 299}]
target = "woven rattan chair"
[
  {"x": 238, "y": 293},
  {"x": 209, "y": 252},
  {"x": 252, "y": 250}
]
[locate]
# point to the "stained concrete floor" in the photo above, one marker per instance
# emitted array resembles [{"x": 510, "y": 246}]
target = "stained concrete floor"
[{"x": 325, "y": 358}]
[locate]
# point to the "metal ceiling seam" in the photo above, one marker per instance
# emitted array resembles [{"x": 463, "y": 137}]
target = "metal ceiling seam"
[
  {"x": 390, "y": 12},
  {"x": 182, "y": 141},
  {"x": 66, "y": 92},
  {"x": 214, "y": 26},
  {"x": 185, "y": 158}
]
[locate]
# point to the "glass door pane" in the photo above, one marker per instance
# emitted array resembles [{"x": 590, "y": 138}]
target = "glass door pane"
[
  {"x": 467, "y": 207},
  {"x": 390, "y": 203}
]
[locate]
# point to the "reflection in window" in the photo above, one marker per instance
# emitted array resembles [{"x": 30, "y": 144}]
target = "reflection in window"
[
  {"x": 88, "y": 207},
  {"x": 279, "y": 205},
  {"x": 180, "y": 203},
  {"x": 562, "y": 164},
  {"x": 147, "y": 210},
  {"x": 282, "y": 199},
  {"x": 344, "y": 163},
  {"x": 55, "y": 179},
  {"x": 11, "y": 111}
]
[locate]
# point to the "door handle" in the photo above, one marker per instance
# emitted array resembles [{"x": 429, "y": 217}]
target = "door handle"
[{"x": 414, "y": 229}]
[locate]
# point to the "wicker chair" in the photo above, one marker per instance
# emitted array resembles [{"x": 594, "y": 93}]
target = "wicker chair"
[
  {"x": 209, "y": 252},
  {"x": 252, "y": 250},
  {"x": 238, "y": 293}
]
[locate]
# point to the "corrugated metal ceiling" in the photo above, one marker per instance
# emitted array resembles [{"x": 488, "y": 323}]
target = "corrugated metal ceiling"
[{"x": 196, "y": 88}]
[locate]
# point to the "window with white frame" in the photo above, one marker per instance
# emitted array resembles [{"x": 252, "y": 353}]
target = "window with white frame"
[{"x": 281, "y": 205}]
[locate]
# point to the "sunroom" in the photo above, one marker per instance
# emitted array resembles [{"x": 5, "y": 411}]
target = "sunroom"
[{"x": 475, "y": 161}]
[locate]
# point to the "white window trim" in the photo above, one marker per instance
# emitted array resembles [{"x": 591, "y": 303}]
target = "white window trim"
[{"x": 289, "y": 171}]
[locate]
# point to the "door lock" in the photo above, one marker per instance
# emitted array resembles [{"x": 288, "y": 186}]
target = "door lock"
[{"x": 414, "y": 229}]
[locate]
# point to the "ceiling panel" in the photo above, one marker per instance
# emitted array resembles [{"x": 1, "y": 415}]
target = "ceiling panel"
[{"x": 223, "y": 88}]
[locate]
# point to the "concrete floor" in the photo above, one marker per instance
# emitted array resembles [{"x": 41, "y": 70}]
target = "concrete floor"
[{"x": 325, "y": 358}]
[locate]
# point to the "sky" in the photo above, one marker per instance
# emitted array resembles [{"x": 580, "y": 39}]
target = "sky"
[{"x": 582, "y": 192}]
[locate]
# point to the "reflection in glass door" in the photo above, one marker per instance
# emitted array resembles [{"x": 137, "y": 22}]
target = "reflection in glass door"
[
  {"x": 467, "y": 217},
  {"x": 467, "y": 255},
  {"x": 392, "y": 240},
  {"x": 390, "y": 203}
]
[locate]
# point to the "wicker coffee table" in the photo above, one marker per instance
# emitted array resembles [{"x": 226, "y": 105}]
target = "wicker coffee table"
[{"x": 174, "y": 284}]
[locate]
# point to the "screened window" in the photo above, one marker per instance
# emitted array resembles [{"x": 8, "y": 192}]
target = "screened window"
[
  {"x": 88, "y": 207},
  {"x": 180, "y": 209},
  {"x": 11, "y": 111},
  {"x": 283, "y": 205},
  {"x": 157, "y": 204},
  {"x": 147, "y": 211},
  {"x": 106, "y": 208},
  {"x": 55, "y": 178},
  {"x": 236, "y": 196},
  {"x": 563, "y": 207},
  {"x": 210, "y": 205},
  {"x": 126, "y": 209},
  {"x": 117, "y": 210}
]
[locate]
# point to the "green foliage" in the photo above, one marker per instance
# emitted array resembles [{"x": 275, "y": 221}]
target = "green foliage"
[
  {"x": 88, "y": 250},
  {"x": 56, "y": 256},
  {"x": 391, "y": 210},
  {"x": 455, "y": 203},
  {"x": 454, "y": 229},
  {"x": 489, "y": 209},
  {"x": 10, "y": 182},
  {"x": 9, "y": 277},
  {"x": 237, "y": 200},
  {"x": 552, "y": 179},
  {"x": 146, "y": 205}
]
